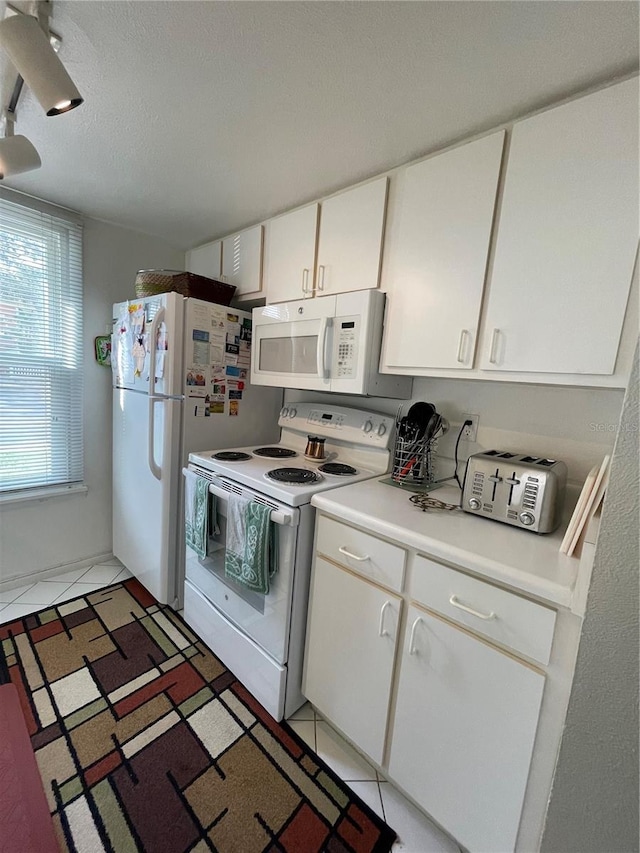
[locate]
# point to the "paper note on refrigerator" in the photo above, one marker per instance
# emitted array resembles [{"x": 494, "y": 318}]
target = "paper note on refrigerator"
[{"x": 200, "y": 346}]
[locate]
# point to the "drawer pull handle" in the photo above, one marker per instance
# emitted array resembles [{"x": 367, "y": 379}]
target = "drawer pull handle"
[
  {"x": 454, "y": 601},
  {"x": 382, "y": 631},
  {"x": 346, "y": 553},
  {"x": 412, "y": 636}
]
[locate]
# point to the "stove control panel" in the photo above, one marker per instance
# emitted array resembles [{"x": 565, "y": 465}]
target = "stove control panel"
[
  {"x": 355, "y": 426},
  {"x": 332, "y": 420}
]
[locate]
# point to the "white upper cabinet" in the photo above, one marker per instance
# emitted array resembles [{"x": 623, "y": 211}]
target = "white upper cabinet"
[
  {"x": 438, "y": 258},
  {"x": 242, "y": 261},
  {"x": 567, "y": 238},
  {"x": 291, "y": 255},
  {"x": 206, "y": 260},
  {"x": 350, "y": 242},
  {"x": 349, "y": 245}
]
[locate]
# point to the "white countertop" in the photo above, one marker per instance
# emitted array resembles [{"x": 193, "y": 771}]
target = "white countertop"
[{"x": 527, "y": 561}]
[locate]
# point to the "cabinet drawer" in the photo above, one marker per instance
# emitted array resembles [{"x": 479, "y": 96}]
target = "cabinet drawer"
[
  {"x": 515, "y": 622},
  {"x": 362, "y": 553}
]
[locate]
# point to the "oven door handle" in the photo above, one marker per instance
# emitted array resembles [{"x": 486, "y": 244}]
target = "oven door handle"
[{"x": 277, "y": 516}]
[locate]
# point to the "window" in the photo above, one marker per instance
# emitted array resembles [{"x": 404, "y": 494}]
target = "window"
[{"x": 40, "y": 349}]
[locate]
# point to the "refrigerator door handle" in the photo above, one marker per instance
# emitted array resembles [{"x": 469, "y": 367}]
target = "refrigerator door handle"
[
  {"x": 156, "y": 470},
  {"x": 153, "y": 343}
]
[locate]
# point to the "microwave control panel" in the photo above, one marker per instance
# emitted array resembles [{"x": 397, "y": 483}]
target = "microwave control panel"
[{"x": 346, "y": 347}]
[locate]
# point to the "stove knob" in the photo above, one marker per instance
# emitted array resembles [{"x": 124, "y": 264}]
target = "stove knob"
[
  {"x": 293, "y": 413},
  {"x": 382, "y": 429},
  {"x": 368, "y": 426},
  {"x": 284, "y": 411},
  {"x": 527, "y": 519},
  {"x": 474, "y": 503}
]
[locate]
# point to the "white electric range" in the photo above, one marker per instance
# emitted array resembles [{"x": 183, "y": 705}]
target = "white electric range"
[{"x": 260, "y": 638}]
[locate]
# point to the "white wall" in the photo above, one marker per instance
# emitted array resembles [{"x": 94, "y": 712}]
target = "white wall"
[
  {"x": 60, "y": 530},
  {"x": 594, "y": 802},
  {"x": 576, "y": 425}
]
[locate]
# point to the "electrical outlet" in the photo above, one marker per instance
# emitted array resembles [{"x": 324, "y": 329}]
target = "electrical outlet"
[{"x": 470, "y": 432}]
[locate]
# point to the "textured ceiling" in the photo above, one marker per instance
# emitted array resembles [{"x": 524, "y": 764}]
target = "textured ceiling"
[{"x": 203, "y": 117}]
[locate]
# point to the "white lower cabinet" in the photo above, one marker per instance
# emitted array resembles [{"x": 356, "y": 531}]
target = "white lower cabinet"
[
  {"x": 451, "y": 717},
  {"x": 463, "y": 732},
  {"x": 352, "y": 634}
]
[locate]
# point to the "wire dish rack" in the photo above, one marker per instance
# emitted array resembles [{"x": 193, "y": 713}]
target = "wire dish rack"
[{"x": 413, "y": 453}]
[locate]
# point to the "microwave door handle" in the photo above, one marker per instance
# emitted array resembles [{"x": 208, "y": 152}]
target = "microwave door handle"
[
  {"x": 277, "y": 516},
  {"x": 323, "y": 371}
]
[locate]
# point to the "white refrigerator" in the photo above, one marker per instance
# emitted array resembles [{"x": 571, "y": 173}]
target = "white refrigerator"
[{"x": 181, "y": 383}]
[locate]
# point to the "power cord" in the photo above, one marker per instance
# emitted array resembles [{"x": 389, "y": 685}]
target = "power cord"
[{"x": 455, "y": 474}]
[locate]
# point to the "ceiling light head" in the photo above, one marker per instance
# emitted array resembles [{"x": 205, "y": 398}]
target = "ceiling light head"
[
  {"x": 17, "y": 155},
  {"x": 31, "y": 52}
]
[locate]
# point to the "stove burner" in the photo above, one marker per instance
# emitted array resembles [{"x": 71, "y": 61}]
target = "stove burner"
[
  {"x": 275, "y": 452},
  {"x": 337, "y": 468},
  {"x": 294, "y": 476},
  {"x": 230, "y": 456}
]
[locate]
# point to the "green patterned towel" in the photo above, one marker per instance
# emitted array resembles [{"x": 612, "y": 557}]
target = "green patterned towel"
[
  {"x": 251, "y": 556},
  {"x": 196, "y": 516}
]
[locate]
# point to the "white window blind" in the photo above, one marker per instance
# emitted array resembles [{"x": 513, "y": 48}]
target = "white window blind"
[{"x": 40, "y": 349}]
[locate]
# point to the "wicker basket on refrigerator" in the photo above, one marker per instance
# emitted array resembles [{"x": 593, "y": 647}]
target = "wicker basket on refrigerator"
[{"x": 154, "y": 282}]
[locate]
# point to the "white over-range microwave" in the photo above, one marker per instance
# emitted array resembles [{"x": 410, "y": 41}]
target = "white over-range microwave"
[{"x": 330, "y": 343}]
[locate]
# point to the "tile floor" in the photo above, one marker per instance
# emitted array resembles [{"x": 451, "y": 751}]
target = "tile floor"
[
  {"x": 22, "y": 600},
  {"x": 416, "y": 834}
]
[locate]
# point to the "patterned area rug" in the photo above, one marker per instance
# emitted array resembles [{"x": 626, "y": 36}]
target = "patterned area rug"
[{"x": 146, "y": 742}]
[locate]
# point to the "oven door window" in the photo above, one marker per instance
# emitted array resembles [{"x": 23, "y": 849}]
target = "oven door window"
[{"x": 264, "y": 618}]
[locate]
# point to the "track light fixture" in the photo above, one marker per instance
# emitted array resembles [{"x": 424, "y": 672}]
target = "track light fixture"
[
  {"x": 17, "y": 154},
  {"x": 26, "y": 41},
  {"x": 32, "y": 49}
]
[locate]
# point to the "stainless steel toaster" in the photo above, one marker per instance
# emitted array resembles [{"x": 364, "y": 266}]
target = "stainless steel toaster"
[{"x": 526, "y": 491}]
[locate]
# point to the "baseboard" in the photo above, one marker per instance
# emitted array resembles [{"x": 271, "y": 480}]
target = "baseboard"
[{"x": 43, "y": 574}]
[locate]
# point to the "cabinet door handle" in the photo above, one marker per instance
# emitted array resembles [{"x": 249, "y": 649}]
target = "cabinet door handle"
[
  {"x": 412, "y": 636},
  {"x": 494, "y": 342},
  {"x": 461, "y": 346},
  {"x": 454, "y": 601},
  {"x": 321, "y": 269},
  {"x": 346, "y": 553},
  {"x": 382, "y": 631},
  {"x": 305, "y": 280}
]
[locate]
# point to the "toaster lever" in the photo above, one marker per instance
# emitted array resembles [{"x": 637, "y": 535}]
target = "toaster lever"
[
  {"x": 495, "y": 479},
  {"x": 511, "y": 481}
]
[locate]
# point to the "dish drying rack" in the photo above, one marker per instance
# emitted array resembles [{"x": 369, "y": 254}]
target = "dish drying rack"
[{"x": 413, "y": 452}]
